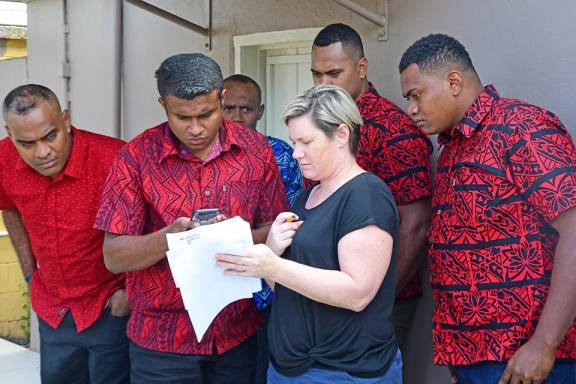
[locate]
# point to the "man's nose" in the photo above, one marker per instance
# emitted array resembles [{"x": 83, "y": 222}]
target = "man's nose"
[
  {"x": 236, "y": 116},
  {"x": 324, "y": 80},
  {"x": 412, "y": 108},
  {"x": 195, "y": 128},
  {"x": 42, "y": 150}
]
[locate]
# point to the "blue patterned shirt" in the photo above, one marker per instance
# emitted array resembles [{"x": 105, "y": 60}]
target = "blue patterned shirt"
[
  {"x": 294, "y": 185},
  {"x": 289, "y": 169}
]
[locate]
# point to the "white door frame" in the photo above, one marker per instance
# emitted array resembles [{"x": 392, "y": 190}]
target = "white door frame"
[
  {"x": 245, "y": 45},
  {"x": 250, "y": 53}
]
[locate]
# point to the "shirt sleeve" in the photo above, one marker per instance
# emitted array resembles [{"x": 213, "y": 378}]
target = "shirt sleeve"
[
  {"x": 542, "y": 164},
  {"x": 122, "y": 208},
  {"x": 368, "y": 203},
  {"x": 400, "y": 155},
  {"x": 289, "y": 170},
  {"x": 293, "y": 181},
  {"x": 5, "y": 201},
  {"x": 272, "y": 198}
]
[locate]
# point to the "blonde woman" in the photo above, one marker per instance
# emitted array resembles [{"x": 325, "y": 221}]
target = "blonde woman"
[{"x": 333, "y": 269}]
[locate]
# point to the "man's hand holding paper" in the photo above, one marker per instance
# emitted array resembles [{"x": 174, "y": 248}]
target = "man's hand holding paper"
[{"x": 204, "y": 288}]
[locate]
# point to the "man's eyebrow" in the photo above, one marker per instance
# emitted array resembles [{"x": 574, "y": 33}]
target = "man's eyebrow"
[
  {"x": 332, "y": 71},
  {"x": 26, "y": 141},
  {"x": 409, "y": 93},
  {"x": 52, "y": 131},
  {"x": 212, "y": 110}
]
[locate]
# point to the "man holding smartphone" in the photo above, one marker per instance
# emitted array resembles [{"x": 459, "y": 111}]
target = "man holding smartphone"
[{"x": 195, "y": 160}]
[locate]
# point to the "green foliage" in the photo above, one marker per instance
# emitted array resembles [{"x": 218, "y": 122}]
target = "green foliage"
[{"x": 26, "y": 317}]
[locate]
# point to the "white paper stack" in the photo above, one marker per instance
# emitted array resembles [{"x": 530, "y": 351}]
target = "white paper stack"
[{"x": 204, "y": 288}]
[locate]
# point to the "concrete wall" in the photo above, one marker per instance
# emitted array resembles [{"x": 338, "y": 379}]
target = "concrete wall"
[
  {"x": 14, "y": 307},
  {"x": 94, "y": 65},
  {"x": 524, "y": 47},
  {"x": 46, "y": 48},
  {"x": 229, "y": 18},
  {"x": 520, "y": 45},
  {"x": 13, "y": 73},
  {"x": 12, "y": 48}
]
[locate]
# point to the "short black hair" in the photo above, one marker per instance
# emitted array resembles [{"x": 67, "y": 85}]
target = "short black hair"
[
  {"x": 347, "y": 36},
  {"x": 434, "y": 51},
  {"x": 188, "y": 75},
  {"x": 238, "y": 78},
  {"x": 23, "y": 99}
]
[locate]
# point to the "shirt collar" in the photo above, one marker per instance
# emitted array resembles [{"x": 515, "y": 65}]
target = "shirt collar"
[
  {"x": 75, "y": 163},
  {"x": 474, "y": 115},
  {"x": 227, "y": 138},
  {"x": 371, "y": 93}
]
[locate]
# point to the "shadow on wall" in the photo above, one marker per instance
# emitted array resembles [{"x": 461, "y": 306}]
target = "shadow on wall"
[{"x": 418, "y": 368}]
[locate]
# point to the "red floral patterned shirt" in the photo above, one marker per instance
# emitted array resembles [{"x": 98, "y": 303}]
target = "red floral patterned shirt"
[
  {"x": 152, "y": 183},
  {"x": 505, "y": 172},
  {"x": 58, "y": 215},
  {"x": 393, "y": 148}
]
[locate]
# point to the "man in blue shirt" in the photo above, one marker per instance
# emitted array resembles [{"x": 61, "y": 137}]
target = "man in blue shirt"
[{"x": 243, "y": 104}]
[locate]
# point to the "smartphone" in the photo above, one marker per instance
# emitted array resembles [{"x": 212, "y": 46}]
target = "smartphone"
[{"x": 205, "y": 216}]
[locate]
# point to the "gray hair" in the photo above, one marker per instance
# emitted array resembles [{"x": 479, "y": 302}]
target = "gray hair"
[
  {"x": 328, "y": 106},
  {"x": 188, "y": 75}
]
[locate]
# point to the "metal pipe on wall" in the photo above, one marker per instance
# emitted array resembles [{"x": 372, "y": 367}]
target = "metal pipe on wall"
[
  {"x": 118, "y": 49},
  {"x": 66, "y": 69},
  {"x": 365, "y": 13}
]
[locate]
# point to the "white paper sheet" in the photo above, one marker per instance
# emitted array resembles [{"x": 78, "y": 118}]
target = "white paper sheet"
[{"x": 204, "y": 288}]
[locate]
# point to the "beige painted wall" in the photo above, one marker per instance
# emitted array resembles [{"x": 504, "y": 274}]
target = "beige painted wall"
[
  {"x": 12, "y": 74},
  {"x": 14, "y": 306},
  {"x": 524, "y": 47},
  {"x": 94, "y": 65},
  {"x": 46, "y": 45}
]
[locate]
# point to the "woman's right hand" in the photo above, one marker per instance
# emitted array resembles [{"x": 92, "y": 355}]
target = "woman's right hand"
[{"x": 282, "y": 231}]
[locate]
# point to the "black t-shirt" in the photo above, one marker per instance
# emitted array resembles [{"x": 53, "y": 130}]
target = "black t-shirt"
[{"x": 304, "y": 333}]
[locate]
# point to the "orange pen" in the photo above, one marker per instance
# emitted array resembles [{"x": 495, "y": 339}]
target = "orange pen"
[{"x": 291, "y": 218}]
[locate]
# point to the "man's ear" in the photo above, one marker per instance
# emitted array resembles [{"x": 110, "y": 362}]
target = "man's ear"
[
  {"x": 260, "y": 111},
  {"x": 362, "y": 67},
  {"x": 455, "y": 82},
  {"x": 223, "y": 94},
  {"x": 8, "y": 132},
  {"x": 162, "y": 102},
  {"x": 66, "y": 117}
]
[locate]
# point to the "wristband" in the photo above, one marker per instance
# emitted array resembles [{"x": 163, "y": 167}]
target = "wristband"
[{"x": 28, "y": 278}]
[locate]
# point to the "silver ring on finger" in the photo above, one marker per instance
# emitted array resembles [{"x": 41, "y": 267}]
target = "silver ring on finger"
[{"x": 243, "y": 268}]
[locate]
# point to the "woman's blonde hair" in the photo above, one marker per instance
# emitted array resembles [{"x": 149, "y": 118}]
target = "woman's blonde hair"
[{"x": 328, "y": 106}]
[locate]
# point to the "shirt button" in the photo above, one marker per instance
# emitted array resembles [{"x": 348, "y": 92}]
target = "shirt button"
[
  {"x": 438, "y": 212},
  {"x": 207, "y": 193}
]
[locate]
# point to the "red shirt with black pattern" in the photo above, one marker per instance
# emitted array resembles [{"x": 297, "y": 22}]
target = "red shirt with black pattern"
[
  {"x": 393, "y": 148},
  {"x": 504, "y": 173},
  {"x": 152, "y": 183},
  {"x": 58, "y": 215}
]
